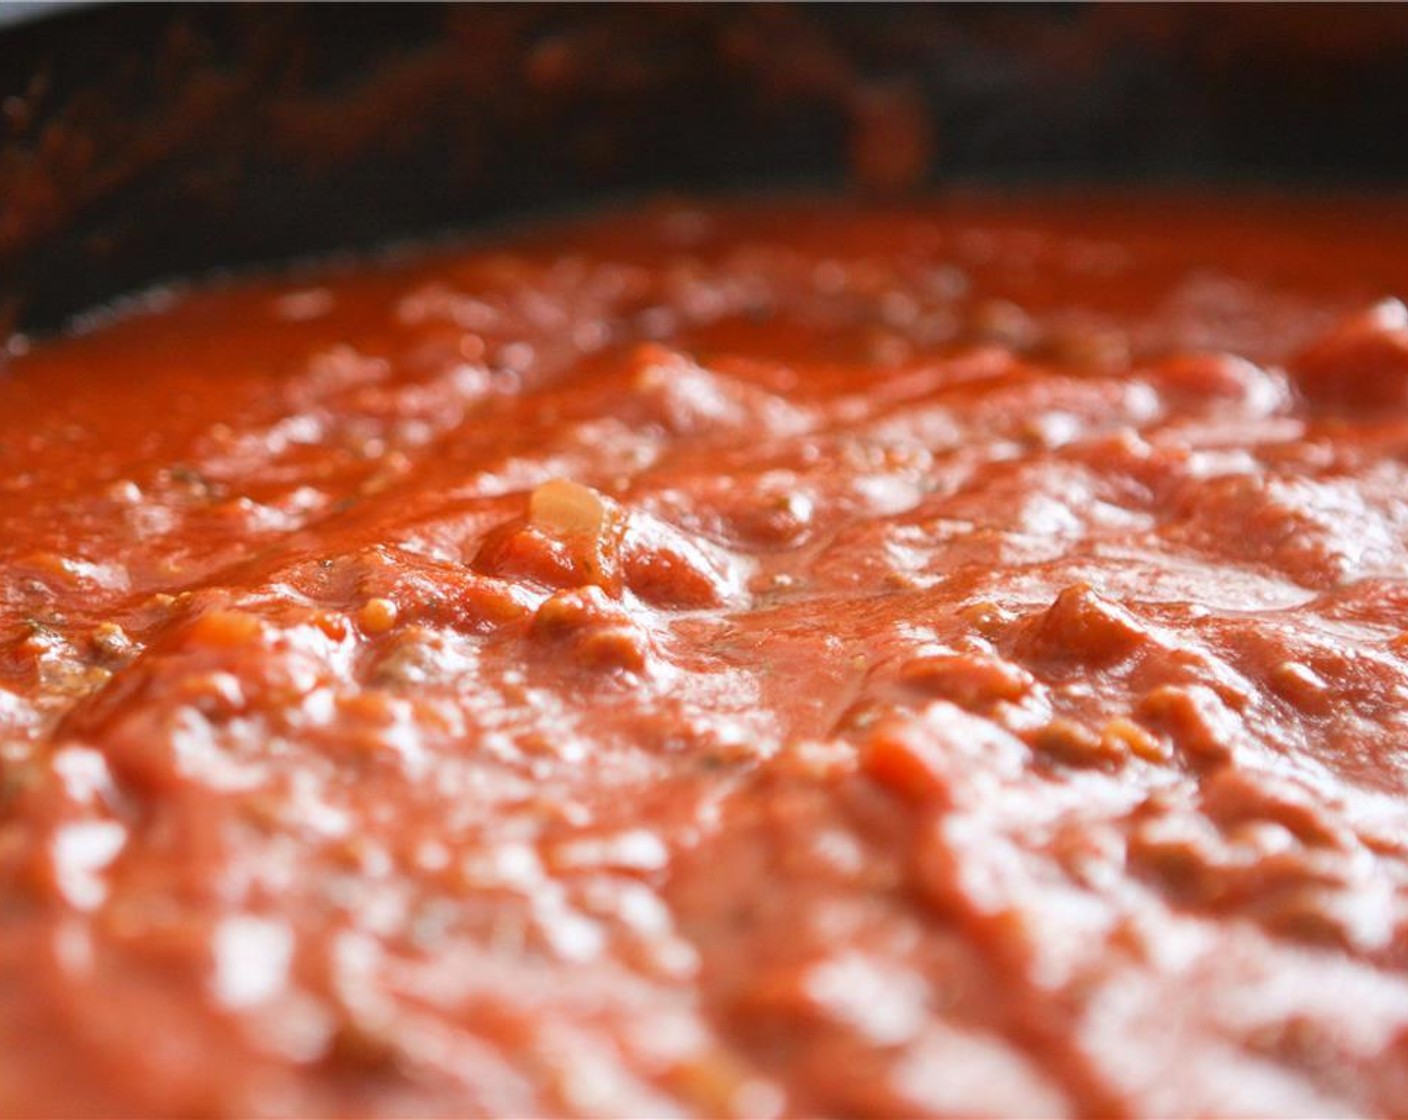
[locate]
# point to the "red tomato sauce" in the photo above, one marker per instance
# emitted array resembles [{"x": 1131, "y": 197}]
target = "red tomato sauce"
[{"x": 782, "y": 659}]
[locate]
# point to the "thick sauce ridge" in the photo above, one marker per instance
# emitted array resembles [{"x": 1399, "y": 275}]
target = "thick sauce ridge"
[{"x": 718, "y": 660}]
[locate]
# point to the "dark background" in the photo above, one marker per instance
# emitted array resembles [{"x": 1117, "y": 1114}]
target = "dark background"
[{"x": 140, "y": 142}]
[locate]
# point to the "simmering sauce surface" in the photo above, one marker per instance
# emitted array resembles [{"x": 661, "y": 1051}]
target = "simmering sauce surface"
[{"x": 782, "y": 659}]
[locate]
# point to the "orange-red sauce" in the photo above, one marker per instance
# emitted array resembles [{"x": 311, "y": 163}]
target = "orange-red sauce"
[{"x": 779, "y": 659}]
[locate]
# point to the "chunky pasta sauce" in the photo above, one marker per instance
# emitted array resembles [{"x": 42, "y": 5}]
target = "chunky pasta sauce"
[{"x": 737, "y": 660}]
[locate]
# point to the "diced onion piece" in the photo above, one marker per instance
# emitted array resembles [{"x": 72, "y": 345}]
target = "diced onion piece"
[{"x": 562, "y": 507}]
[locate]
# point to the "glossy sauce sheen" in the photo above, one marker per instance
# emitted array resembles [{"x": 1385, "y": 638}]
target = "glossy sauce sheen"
[{"x": 778, "y": 659}]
